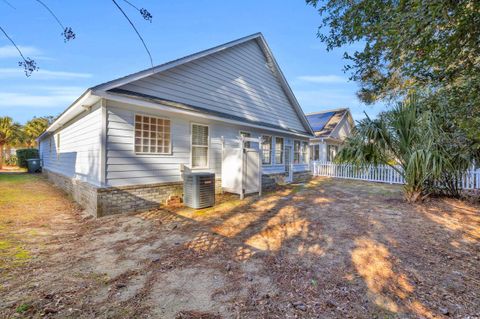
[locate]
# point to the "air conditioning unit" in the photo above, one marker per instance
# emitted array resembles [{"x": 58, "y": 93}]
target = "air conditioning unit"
[{"x": 199, "y": 190}]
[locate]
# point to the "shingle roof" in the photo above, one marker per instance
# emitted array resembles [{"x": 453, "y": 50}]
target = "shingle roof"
[{"x": 323, "y": 123}]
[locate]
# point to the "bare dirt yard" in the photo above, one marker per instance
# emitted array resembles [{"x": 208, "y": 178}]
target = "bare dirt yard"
[{"x": 326, "y": 249}]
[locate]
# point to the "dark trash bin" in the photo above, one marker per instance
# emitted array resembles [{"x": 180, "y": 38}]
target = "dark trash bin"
[{"x": 33, "y": 165}]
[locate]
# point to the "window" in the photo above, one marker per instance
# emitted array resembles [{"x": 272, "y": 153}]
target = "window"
[
  {"x": 279, "y": 150},
  {"x": 152, "y": 135},
  {"x": 199, "y": 146},
  {"x": 246, "y": 134},
  {"x": 304, "y": 152},
  {"x": 315, "y": 152},
  {"x": 296, "y": 152},
  {"x": 57, "y": 145},
  {"x": 331, "y": 152},
  {"x": 266, "y": 150}
]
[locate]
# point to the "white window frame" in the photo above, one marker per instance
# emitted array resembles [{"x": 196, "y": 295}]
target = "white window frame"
[
  {"x": 329, "y": 159},
  {"x": 283, "y": 150},
  {"x": 169, "y": 153},
  {"x": 314, "y": 155},
  {"x": 191, "y": 145},
  {"x": 299, "y": 152},
  {"x": 246, "y": 143},
  {"x": 271, "y": 149},
  {"x": 304, "y": 152}
]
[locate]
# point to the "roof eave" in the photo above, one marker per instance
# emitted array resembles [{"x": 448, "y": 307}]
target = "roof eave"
[
  {"x": 170, "y": 106},
  {"x": 76, "y": 108}
]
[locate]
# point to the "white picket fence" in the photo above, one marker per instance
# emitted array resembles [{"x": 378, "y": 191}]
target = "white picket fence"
[{"x": 380, "y": 173}]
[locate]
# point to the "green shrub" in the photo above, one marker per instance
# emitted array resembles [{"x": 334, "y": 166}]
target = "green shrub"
[
  {"x": 24, "y": 154},
  {"x": 12, "y": 161}
]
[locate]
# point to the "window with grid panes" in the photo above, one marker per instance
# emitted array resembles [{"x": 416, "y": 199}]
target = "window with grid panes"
[
  {"x": 266, "y": 150},
  {"x": 152, "y": 135}
]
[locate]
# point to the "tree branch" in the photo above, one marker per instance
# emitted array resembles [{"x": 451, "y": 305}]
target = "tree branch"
[
  {"x": 9, "y": 4},
  {"x": 67, "y": 33},
  {"x": 28, "y": 64},
  {"x": 144, "y": 12},
  {"x": 134, "y": 28}
]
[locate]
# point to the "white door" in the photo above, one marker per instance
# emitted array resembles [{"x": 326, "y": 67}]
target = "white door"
[
  {"x": 251, "y": 181},
  {"x": 288, "y": 164}
]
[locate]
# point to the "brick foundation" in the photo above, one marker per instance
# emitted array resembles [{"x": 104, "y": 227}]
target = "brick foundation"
[
  {"x": 103, "y": 201},
  {"x": 82, "y": 192},
  {"x": 271, "y": 181},
  {"x": 116, "y": 200},
  {"x": 302, "y": 177}
]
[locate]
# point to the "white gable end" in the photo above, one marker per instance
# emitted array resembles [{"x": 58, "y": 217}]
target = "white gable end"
[{"x": 237, "y": 81}]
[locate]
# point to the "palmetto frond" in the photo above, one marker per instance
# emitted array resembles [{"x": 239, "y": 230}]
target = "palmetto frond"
[{"x": 410, "y": 139}]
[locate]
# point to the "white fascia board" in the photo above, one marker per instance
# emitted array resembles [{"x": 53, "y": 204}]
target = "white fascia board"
[
  {"x": 337, "y": 126},
  {"x": 325, "y": 139},
  {"x": 161, "y": 107},
  {"x": 329, "y": 110},
  {"x": 76, "y": 108}
]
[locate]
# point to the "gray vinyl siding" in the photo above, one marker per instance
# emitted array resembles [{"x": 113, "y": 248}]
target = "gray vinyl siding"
[
  {"x": 342, "y": 130},
  {"x": 79, "y": 152},
  {"x": 236, "y": 81},
  {"x": 125, "y": 167}
]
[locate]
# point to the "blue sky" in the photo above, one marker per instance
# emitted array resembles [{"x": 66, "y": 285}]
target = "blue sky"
[{"x": 106, "y": 48}]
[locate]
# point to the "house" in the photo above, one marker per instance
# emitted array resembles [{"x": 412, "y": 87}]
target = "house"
[
  {"x": 331, "y": 128},
  {"x": 123, "y": 145}
]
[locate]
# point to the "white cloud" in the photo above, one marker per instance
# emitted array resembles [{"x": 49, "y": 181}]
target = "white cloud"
[
  {"x": 50, "y": 97},
  {"x": 9, "y": 51},
  {"x": 42, "y": 74},
  {"x": 322, "y": 79}
]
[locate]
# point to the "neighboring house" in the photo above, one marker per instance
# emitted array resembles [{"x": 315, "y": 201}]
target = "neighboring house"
[
  {"x": 331, "y": 128},
  {"x": 123, "y": 145}
]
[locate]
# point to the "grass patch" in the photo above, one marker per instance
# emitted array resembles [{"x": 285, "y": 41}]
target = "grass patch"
[
  {"x": 99, "y": 278},
  {"x": 20, "y": 197},
  {"x": 12, "y": 189},
  {"x": 12, "y": 254},
  {"x": 22, "y": 308},
  {"x": 18, "y": 178}
]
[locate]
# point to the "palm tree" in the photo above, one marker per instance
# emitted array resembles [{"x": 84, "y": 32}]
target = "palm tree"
[
  {"x": 9, "y": 132},
  {"x": 34, "y": 128},
  {"x": 409, "y": 139}
]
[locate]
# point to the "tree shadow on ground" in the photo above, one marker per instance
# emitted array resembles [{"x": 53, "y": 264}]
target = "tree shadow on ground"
[
  {"x": 329, "y": 248},
  {"x": 348, "y": 247}
]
